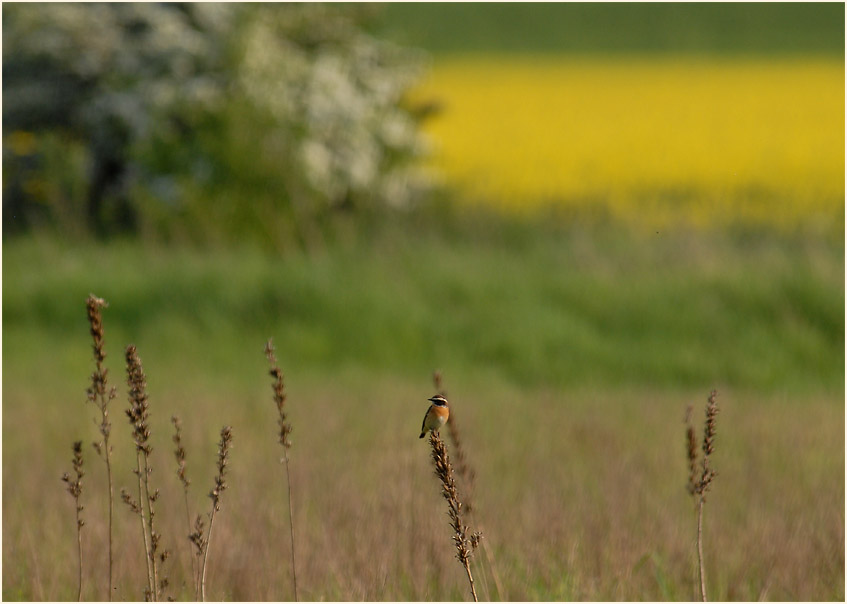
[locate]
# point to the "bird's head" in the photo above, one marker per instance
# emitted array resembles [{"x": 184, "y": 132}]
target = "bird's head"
[{"x": 439, "y": 401}]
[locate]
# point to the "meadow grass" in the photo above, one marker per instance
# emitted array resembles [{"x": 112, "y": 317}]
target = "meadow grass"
[
  {"x": 570, "y": 354},
  {"x": 535, "y": 305},
  {"x": 653, "y": 141},
  {"x": 590, "y": 27},
  {"x": 582, "y": 491}
]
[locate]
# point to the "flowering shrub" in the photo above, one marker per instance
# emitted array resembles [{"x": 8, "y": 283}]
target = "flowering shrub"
[{"x": 207, "y": 120}]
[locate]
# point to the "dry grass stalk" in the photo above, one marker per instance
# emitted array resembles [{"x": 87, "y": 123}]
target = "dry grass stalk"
[
  {"x": 179, "y": 453},
  {"x": 463, "y": 468},
  {"x": 100, "y": 396},
  {"x": 198, "y": 540},
  {"x": 75, "y": 489},
  {"x": 701, "y": 475},
  {"x": 145, "y": 505},
  {"x": 220, "y": 486},
  {"x": 465, "y": 544},
  {"x": 284, "y": 431},
  {"x": 468, "y": 479}
]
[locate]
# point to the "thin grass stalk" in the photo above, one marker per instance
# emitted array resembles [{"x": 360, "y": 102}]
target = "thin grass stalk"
[
  {"x": 700, "y": 548},
  {"x": 197, "y": 539},
  {"x": 151, "y": 579},
  {"x": 470, "y": 580},
  {"x": 468, "y": 477},
  {"x": 205, "y": 558},
  {"x": 180, "y": 455},
  {"x": 284, "y": 431},
  {"x": 465, "y": 544},
  {"x": 138, "y": 416},
  {"x": 97, "y": 394},
  {"x": 291, "y": 529},
  {"x": 220, "y": 486},
  {"x": 138, "y": 509},
  {"x": 75, "y": 489},
  {"x": 492, "y": 567},
  {"x": 700, "y": 475},
  {"x": 154, "y": 536}
]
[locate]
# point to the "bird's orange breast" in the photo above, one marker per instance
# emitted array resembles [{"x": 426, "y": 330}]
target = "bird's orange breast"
[{"x": 442, "y": 412}]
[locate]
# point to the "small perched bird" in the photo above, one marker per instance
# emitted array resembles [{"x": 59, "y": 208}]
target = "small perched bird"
[{"x": 436, "y": 416}]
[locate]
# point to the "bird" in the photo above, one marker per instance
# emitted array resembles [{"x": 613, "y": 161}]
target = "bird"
[{"x": 436, "y": 416}]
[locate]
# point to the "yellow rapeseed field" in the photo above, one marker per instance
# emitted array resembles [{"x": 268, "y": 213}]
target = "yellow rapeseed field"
[{"x": 650, "y": 140}]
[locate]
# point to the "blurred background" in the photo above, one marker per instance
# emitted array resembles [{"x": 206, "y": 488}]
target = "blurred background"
[{"x": 586, "y": 216}]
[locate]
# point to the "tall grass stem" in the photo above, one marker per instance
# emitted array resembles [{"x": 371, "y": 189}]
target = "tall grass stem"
[
  {"x": 291, "y": 529},
  {"x": 75, "y": 489},
  {"x": 138, "y": 413},
  {"x": 220, "y": 486},
  {"x": 97, "y": 394},
  {"x": 284, "y": 431},
  {"x": 468, "y": 476},
  {"x": 465, "y": 544},
  {"x": 700, "y": 549},
  {"x": 179, "y": 454},
  {"x": 700, "y": 475}
]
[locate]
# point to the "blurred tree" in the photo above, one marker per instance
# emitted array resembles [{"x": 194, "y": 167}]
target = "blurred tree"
[{"x": 206, "y": 121}]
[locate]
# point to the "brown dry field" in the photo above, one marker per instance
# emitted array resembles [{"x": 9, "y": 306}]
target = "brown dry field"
[{"x": 580, "y": 494}]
